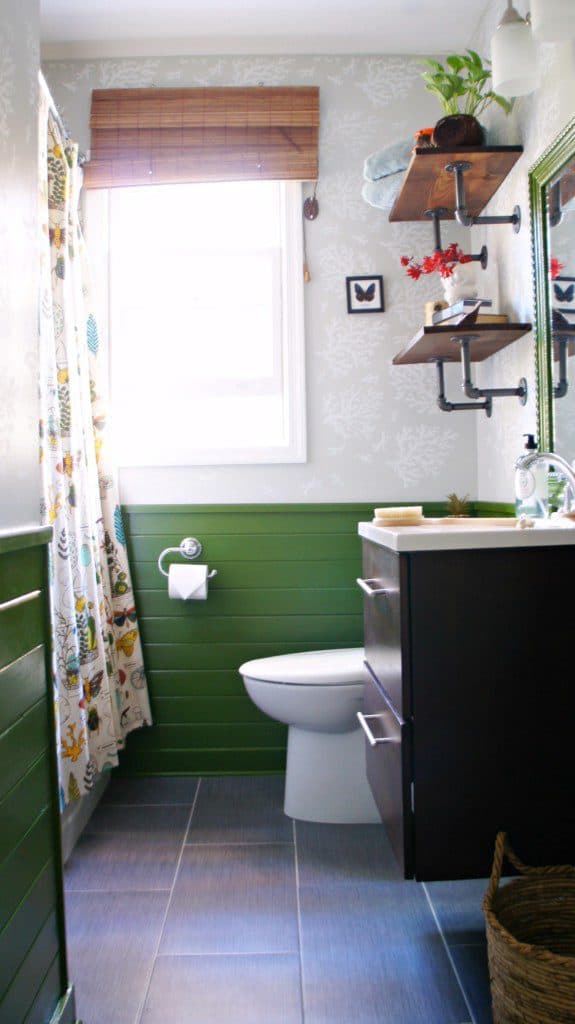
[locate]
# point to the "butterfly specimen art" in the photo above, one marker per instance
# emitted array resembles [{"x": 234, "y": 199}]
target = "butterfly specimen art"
[
  {"x": 564, "y": 297},
  {"x": 365, "y": 294}
]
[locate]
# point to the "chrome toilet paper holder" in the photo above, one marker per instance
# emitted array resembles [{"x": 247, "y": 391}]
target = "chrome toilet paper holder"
[{"x": 190, "y": 548}]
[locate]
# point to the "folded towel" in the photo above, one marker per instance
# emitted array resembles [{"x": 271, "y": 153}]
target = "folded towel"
[
  {"x": 388, "y": 161},
  {"x": 382, "y": 193}
]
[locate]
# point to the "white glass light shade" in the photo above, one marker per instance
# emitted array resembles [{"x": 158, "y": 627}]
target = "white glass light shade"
[
  {"x": 513, "y": 59},
  {"x": 553, "y": 20}
]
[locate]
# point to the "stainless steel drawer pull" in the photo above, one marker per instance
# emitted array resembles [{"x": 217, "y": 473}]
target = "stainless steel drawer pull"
[
  {"x": 373, "y": 740},
  {"x": 371, "y": 591}
]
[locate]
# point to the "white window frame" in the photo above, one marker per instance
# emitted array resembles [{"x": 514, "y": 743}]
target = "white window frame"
[{"x": 98, "y": 232}]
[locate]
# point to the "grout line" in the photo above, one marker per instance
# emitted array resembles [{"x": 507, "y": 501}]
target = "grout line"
[
  {"x": 142, "y": 1005},
  {"x": 231, "y": 952},
  {"x": 448, "y": 951},
  {"x": 248, "y": 842},
  {"x": 299, "y": 929}
]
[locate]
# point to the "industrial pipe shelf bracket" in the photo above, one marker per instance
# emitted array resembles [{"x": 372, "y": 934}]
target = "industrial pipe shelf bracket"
[
  {"x": 562, "y": 342},
  {"x": 436, "y": 215},
  {"x": 469, "y": 388},
  {"x": 463, "y": 217},
  {"x": 446, "y": 406}
]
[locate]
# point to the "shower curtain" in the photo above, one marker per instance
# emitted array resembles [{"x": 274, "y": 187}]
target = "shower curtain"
[{"x": 99, "y": 680}]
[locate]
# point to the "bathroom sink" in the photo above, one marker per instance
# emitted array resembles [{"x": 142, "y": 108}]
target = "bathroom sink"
[{"x": 461, "y": 534}]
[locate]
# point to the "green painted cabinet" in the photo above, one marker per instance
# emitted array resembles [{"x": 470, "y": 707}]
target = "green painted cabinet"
[{"x": 34, "y": 984}]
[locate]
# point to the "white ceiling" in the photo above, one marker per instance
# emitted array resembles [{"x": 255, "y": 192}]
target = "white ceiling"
[{"x": 99, "y": 28}]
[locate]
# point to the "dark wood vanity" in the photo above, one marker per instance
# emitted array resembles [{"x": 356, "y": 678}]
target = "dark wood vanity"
[{"x": 471, "y": 687}]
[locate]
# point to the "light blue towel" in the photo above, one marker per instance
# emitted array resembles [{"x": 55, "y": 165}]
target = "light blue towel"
[
  {"x": 388, "y": 161},
  {"x": 384, "y": 192}
]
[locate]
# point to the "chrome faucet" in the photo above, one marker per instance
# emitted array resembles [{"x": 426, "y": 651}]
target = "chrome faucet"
[{"x": 552, "y": 461}]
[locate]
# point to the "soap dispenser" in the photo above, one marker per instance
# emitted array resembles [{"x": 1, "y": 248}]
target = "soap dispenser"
[{"x": 531, "y": 486}]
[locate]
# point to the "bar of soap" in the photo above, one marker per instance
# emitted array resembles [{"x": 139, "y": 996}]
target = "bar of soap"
[{"x": 407, "y": 512}]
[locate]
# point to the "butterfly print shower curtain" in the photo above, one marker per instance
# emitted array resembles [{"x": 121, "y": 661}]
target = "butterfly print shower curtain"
[{"x": 99, "y": 681}]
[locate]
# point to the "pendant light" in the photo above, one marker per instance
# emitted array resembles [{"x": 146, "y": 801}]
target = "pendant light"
[
  {"x": 553, "y": 20},
  {"x": 513, "y": 56}
]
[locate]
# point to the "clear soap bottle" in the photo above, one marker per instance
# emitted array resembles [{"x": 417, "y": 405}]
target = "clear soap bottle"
[{"x": 531, "y": 486}]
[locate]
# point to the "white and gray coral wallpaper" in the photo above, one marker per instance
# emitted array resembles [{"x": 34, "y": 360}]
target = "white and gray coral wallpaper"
[
  {"x": 19, "y": 472},
  {"x": 374, "y": 431}
]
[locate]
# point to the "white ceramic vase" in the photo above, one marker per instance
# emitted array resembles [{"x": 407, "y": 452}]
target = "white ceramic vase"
[{"x": 461, "y": 285}]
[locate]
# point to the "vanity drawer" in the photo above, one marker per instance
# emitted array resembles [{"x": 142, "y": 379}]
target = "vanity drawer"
[
  {"x": 385, "y": 620},
  {"x": 388, "y": 764}
]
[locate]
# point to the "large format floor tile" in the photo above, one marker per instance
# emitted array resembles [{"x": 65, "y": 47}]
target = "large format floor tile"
[
  {"x": 155, "y": 822},
  {"x": 233, "y": 899},
  {"x": 107, "y": 862},
  {"x": 458, "y": 906},
  {"x": 241, "y": 810},
  {"x": 344, "y": 854},
  {"x": 372, "y": 953},
  {"x": 161, "y": 790},
  {"x": 471, "y": 966},
  {"x": 111, "y": 944},
  {"x": 225, "y": 990}
]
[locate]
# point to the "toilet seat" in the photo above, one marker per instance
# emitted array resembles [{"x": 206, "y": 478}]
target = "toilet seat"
[{"x": 309, "y": 668}]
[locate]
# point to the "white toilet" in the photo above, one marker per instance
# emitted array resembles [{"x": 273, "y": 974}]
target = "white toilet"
[{"x": 318, "y": 694}]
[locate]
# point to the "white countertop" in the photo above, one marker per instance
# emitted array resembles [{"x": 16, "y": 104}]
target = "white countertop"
[{"x": 545, "y": 533}]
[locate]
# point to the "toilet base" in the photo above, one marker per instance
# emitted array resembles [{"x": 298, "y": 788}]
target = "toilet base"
[{"x": 326, "y": 780}]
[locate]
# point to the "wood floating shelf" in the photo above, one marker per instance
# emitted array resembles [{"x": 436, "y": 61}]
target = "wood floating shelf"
[
  {"x": 429, "y": 186},
  {"x": 431, "y": 344}
]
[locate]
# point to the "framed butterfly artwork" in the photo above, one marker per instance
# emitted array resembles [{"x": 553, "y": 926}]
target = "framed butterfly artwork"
[
  {"x": 564, "y": 297},
  {"x": 365, "y": 294}
]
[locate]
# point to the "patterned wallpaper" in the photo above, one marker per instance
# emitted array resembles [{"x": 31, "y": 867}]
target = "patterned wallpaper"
[
  {"x": 534, "y": 122},
  {"x": 374, "y": 431},
  {"x": 19, "y": 472}
]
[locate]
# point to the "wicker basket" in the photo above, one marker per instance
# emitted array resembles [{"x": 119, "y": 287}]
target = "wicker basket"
[{"x": 531, "y": 942}]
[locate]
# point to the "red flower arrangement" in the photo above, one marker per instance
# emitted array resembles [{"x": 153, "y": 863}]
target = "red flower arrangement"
[
  {"x": 556, "y": 267},
  {"x": 442, "y": 261}
]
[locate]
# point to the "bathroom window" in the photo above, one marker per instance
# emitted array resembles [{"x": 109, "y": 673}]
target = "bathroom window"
[{"x": 205, "y": 299}]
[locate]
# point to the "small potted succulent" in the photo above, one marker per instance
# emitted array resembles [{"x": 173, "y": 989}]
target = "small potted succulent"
[{"x": 463, "y": 88}]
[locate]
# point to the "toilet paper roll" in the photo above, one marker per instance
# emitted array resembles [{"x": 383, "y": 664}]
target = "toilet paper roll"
[{"x": 188, "y": 582}]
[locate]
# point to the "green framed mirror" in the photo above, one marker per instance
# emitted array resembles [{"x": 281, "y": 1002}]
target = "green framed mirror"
[{"x": 552, "y": 197}]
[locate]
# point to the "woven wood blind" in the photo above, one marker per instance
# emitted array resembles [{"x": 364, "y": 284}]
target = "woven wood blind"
[{"x": 164, "y": 136}]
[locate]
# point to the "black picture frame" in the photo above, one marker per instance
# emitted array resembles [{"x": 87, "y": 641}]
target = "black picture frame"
[{"x": 358, "y": 290}]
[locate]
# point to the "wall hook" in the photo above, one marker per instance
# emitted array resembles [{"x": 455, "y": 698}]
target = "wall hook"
[{"x": 458, "y": 168}]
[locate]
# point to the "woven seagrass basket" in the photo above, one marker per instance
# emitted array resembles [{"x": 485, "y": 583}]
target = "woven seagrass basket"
[{"x": 531, "y": 942}]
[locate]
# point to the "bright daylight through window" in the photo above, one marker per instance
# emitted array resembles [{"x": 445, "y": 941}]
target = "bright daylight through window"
[{"x": 206, "y": 323}]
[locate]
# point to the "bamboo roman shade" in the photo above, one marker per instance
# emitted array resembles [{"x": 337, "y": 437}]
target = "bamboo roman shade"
[{"x": 164, "y": 136}]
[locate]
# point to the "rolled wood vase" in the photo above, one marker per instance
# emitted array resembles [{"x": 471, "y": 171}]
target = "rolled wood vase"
[{"x": 458, "y": 130}]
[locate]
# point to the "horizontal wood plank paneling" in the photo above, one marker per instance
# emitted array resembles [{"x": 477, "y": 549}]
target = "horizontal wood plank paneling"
[
  {"x": 20, "y": 573},
  {"x": 20, "y": 868},
  {"x": 33, "y": 973},
  {"x": 22, "y": 684},
  {"x": 47, "y": 1003},
  {"x": 225, "y": 655},
  {"x": 23, "y": 804},
  {"x": 285, "y": 583},
  {"x": 265, "y": 601},
  {"x": 18, "y": 934},
  {"x": 22, "y": 744},
  {"x": 251, "y": 629},
  {"x": 21, "y": 629},
  {"x": 28, "y": 981}
]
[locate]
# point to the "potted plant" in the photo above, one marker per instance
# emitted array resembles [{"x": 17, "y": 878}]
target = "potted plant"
[{"x": 463, "y": 88}]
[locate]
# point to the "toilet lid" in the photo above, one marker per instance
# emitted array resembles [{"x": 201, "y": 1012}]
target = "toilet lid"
[{"x": 313, "y": 668}]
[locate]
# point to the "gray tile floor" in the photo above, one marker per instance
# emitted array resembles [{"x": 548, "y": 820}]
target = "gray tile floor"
[{"x": 198, "y": 902}]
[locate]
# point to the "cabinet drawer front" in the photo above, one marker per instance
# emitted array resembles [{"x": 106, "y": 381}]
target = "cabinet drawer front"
[
  {"x": 383, "y": 623},
  {"x": 388, "y": 763}
]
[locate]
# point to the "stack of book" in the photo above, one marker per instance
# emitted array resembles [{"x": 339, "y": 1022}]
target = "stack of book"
[{"x": 448, "y": 314}]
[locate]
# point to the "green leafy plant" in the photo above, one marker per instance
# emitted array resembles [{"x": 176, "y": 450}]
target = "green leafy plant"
[{"x": 463, "y": 87}]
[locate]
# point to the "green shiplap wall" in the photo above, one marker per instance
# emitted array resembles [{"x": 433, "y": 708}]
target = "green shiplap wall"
[
  {"x": 33, "y": 973},
  {"x": 286, "y": 582}
]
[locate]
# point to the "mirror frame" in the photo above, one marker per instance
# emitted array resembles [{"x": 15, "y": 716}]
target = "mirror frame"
[{"x": 542, "y": 173}]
